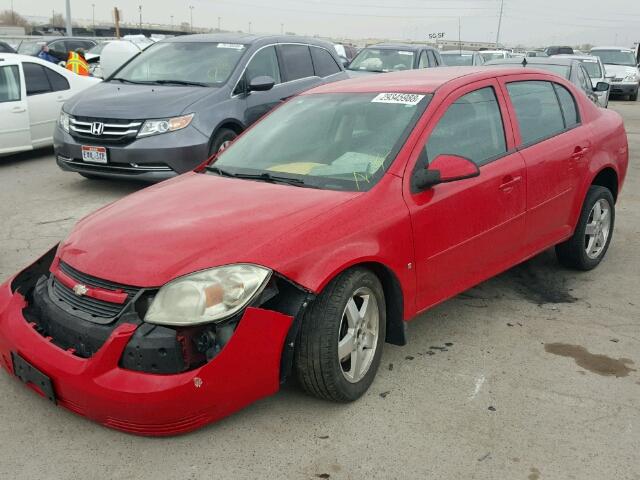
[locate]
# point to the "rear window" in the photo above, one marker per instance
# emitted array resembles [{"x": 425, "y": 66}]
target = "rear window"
[
  {"x": 568, "y": 105},
  {"x": 35, "y": 79},
  {"x": 537, "y": 110},
  {"x": 457, "y": 59},
  {"x": 9, "y": 84},
  {"x": 383, "y": 60},
  {"x": 323, "y": 62},
  {"x": 57, "y": 81},
  {"x": 297, "y": 61}
]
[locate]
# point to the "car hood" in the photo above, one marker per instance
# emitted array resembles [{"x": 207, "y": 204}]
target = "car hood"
[
  {"x": 359, "y": 73},
  {"x": 193, "y": 222},
  {"x": 619, "y": 71},
  {"x": 121, "y": 100}
]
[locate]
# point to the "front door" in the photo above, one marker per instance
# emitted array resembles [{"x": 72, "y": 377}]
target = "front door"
[
  {"x": 14, "y": 117},
  {"x": 468, "y": 230}
]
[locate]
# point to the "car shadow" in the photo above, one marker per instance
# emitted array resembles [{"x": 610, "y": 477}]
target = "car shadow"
[{"x": 26, "y": 157}]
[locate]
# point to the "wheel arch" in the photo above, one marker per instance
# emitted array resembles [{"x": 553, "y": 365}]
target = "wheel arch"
[
  {"x": 231, "y": 124},
  {"x": 607, "y": 177}
]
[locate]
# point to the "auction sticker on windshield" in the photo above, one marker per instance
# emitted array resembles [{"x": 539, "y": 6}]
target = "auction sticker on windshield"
[
  {"x": 94, "y": 154},
  {"x": 401, "y": 98},
  {"x": 235, "y": 46}
]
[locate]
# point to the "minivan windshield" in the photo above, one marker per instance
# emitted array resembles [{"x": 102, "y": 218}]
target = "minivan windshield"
[
  {"x": 382, "y": 60},
  {"x": 334, "y": 141},
  {"x": 457, "y": 59},
  {"x": 615, "y": 57},
  {"x": 183, "y": 63}
]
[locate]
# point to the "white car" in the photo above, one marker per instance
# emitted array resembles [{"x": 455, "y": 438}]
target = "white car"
[
  {"x": 594, "y": 67},
  {"x": 32, "y": 92},
  {"x": 621, "y": 64},
  {"x": 489, "y": 55}
]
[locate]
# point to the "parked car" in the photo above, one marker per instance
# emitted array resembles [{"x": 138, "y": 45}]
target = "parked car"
[
  {"x": 346, "y": 52},
  {"x": 6, "y": 48},
  {"x": 184, "y": 99},
  {"x": 535, "y": 53},
  {"x": 558, "y": 50},
  {"x": 461, "y": 58},
  {"x": 117, "y": 52},
  {"x": 622, "y": 65},
  {"x": 596, "y": 72},
  {"x": 31, "y": 93},
  {"x": 393, "y": 57},
  {"x": 58, "y": 46},
  {"x": 569, "y": 68},
  {"x": 489, "y": 55},
  {"x": 308, "y": 243}
]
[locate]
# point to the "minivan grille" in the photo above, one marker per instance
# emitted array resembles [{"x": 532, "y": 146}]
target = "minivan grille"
[{"x": 104, "y": 129}]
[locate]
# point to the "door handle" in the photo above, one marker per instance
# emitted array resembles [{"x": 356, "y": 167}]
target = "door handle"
[
  {"x": 61, "y": 99},
  {"x": 18, "y": 110},
  {"x": 579, "y": 153},
  {"x": 509, "y": 182}
]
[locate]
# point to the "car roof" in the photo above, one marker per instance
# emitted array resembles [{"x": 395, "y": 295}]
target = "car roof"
[
  {"x": 426, "y": 80},
  {"x": 553, "y": 60},
  {"x": 403, "y": 46},
  {"x": 622, "y": 49},
  {"x": 577, "y": 57},
  {"x": 244, "y": 38},
  {"x": 458, "y": 52}
]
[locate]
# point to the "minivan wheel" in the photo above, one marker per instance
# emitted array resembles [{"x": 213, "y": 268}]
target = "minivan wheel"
[
  {"x": 221, "y": 140},
  {"x": 633, "y": 97},
  {"x": 341, "y": 337},
  {"x": 590, "y": 241}
]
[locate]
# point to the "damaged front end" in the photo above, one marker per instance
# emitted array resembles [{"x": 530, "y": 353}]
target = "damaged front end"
[{"x": 105, "y": 362}]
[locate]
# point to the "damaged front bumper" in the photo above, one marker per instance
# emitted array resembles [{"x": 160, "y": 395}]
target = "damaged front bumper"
[{"x": 250, "y": 366}]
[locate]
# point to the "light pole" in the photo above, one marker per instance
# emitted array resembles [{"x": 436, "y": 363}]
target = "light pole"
[
  {"x": 69, "y": 28},
  {"x": 282, "y": 29},
  {"x": 191, "y": 12},
  {"x": 499, "y": 22},
  {"x": 171, "y": 22},
  {"x": 249, "y": 27},
  {"x": 140, "y": 14},
  {"x": 93, "y": 17},
  {"x": 219, "y": 20},
  {"x": 13, "y": 14}
]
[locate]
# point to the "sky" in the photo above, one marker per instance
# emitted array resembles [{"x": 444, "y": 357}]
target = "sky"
[{"x": 539, "y": 23}]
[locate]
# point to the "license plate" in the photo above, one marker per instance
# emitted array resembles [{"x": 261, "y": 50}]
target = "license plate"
[
  {"x": 94, "y": 154},
  {"x": 30, "y": 374}
]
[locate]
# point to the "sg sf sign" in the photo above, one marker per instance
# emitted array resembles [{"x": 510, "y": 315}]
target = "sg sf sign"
[{"x": 436, "y": 36}]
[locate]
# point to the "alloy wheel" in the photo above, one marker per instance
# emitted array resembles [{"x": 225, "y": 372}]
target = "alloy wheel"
[{"x": 598, "y": 228}]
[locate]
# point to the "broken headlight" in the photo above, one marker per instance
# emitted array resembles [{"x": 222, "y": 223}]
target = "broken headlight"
[{"x": 207, "y": 296}]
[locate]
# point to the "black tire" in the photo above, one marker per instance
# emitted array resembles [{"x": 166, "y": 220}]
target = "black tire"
[
  {"x": 317, "y": 366},
  {"x": 572, "y": 253},
  {"x": 221, "y": 136},
  {"x": 634, "y": 97}
]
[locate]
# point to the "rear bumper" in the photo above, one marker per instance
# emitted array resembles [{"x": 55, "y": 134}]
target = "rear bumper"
[
  {"x": 151, "y": 158},
  {"x": 247, "y": 369}
]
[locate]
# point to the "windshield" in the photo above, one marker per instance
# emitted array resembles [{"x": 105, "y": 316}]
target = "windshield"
[
  {"x": 205, "y": 63},
  {"x": 333, "y": 141},
  {"x": 615, "y": 57},
  {"x": 493, "y": 55},
  {"x": 97, "y": 50},
  {"x": 593, "y": 68},
  {"x": 30, "y": 47},
  {"x": 457, "y": 59},
  {"x": 382, "y": 60}
]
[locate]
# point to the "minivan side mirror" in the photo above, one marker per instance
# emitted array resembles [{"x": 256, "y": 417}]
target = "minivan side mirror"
[
  {"x": 601, "y": 87},
  {"x": 261, "y": 83},
  {"x": 444, "y": 169}
]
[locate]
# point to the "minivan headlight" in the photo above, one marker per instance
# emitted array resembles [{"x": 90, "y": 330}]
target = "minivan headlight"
[
  {"x": 164, "y": 125},
  {"x": 207, "y": 296},
  {"x": 632, "y": 77},
  {"x": 63, "y": 121}
]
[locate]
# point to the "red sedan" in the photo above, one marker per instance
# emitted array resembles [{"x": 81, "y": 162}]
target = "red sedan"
[{"x": 310, "y": 242}]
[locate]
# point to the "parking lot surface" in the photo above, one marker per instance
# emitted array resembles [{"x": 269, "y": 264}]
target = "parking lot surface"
[{"x": 532, "y": 375}]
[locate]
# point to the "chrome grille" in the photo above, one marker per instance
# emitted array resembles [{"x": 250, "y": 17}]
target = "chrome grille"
[{"x": 104, "y": 129}]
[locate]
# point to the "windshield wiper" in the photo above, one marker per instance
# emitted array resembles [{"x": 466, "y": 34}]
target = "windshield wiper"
[
  {"x": 124, "y": 80},
  {"x": 263, "y": 177},
  {"x": 179, "y": 82}
]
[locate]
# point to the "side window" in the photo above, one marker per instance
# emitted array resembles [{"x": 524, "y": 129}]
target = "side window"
[
  {"x": 433, "y": 61},
  {"x": 423, "y": 62},
  {"x": 35, "y": 79},
  {"x": 323, "y": 62},
  {"x": 297, "y": 61},
  {"x": 584, "y": 78},
  {"x": 471, "y": 127},
  {"x": 568, "y": 105},
  {"x": 264, "y": 63},
  {"x": 60, "y": 47},
  {"x": 57, "y": 81},
  {"x": 9, "y": 84},
  {"x": 537, "y": 110}
]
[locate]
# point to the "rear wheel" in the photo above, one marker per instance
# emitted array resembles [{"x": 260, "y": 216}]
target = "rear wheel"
[
  {"x": 221, "y": 140},
  {"x": 590, "y": 241},
  {"x": 341, "y": 337}
]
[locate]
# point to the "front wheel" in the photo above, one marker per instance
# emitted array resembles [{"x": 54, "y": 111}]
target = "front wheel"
[
  {"x": 221, "y": 140},
  {"x": 341, "y": 337},
  {"x": 590, "y": 241},
  {"x": 633, "y": 97}
]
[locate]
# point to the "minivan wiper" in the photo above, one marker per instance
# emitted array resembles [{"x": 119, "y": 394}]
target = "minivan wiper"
[
  {"x": 124, "y": 80},
  {"x": 179, "y": 82}
]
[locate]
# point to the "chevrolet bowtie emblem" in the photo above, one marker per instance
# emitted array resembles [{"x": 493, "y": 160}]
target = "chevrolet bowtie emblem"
[{"x": 80, "y": 290}]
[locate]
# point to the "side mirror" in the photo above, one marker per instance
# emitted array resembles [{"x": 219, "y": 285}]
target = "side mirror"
[
  {"x": 261, "y": 84},
  {"x": 444, "y": 169},
  {"x": 601, "y": 87},
  {"x": 345, "y": 62}
]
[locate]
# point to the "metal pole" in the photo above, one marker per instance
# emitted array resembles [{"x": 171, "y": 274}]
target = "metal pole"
[
  {"x": 140, "y": 13},
  {"x": 69, "y": 28},
  {"x": 219, "y": 19},
  {"x": 282, "y": 29},
  {"x": 13, "y": 14},
  {"x": 93, "y": 17},
  {"x": 171, "y": 22},
  {"x": 249, "y": 27},
  {"x": 459, "y": 36},
  {"x": 191, "y": 13},
  {"x": 499, "y": 22}
]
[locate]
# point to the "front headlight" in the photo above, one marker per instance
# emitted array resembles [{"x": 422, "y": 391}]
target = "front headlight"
[
  {"x": 164, "y": 125},
  {"x": 63, "y": 121},
  {"x": 632, "y": 77},
  {"x": 207, "y": 296}
]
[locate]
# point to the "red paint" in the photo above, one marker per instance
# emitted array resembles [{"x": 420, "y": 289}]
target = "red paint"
[{"x": 453, "y": 235}]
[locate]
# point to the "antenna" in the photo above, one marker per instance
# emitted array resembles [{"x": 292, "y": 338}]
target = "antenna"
[{"x": 524, "y": 62}]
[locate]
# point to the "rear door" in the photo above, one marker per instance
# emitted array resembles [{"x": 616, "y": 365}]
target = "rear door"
[
  {"x": 14, "y": 117},
  {"x": 46, "y": 92},
  {"x": 555, "y": 146},
  {"x": 297, "y": 67},
  {"x": 468, "y": 230}
]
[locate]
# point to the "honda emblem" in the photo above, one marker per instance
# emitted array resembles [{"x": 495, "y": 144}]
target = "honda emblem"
[{"x": 97, "y": 128}]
